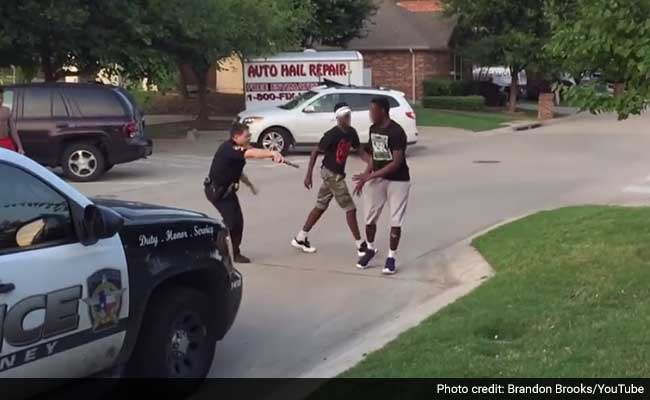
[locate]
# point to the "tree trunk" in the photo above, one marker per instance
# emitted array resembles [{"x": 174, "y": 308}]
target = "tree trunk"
[
  {"x": 49, "y": 75},
  {"x": 183, "y": 82},
  {"x": 202, "y": 85},
  {"x": 514, "y": 90},
  {"x": 49, "y": 72},
  {"x": 619, "y": 89}
]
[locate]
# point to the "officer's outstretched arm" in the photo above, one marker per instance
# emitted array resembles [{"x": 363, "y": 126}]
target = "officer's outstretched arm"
[{"x": 261, "y": 154}]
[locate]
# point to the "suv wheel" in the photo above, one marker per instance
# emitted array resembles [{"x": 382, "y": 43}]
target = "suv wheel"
[
  {"x": 276, "y": 139},
  {"x": 178, "y": 336},
  {"x": 83, "y": 162}
]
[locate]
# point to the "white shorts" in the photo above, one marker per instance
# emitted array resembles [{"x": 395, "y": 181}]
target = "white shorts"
[{"x": 378, "y": 192}]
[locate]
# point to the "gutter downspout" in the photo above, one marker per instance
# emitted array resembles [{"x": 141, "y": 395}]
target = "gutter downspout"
[{"x": 412, "y": 74}]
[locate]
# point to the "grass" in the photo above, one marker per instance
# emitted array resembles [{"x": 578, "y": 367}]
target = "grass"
[
  {"x": 570, "y": 299},
  {"x": 471, "y": 121}
]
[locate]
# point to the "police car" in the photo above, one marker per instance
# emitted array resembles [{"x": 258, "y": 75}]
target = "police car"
[{"x": 90, "y": 286}]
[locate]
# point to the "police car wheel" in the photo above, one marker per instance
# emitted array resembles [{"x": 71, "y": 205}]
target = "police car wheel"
[
  {"x": 178, "y": 336},
  {"x": 83, "y": 162},
  {"x": 276, "y": 139}
]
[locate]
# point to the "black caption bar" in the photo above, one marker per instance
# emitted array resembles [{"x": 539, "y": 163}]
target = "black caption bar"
[{"x": 320, "y": 389}]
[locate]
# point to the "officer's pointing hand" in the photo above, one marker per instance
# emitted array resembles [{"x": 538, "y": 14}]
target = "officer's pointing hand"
[{"x": 277, "y": 157}]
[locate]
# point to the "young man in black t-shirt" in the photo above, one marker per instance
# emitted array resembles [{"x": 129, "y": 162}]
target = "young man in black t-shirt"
[
  {"x": 387, "y": 180},
  {"x": 336, "y": 145},
  {"x": 222, "y": 184}
]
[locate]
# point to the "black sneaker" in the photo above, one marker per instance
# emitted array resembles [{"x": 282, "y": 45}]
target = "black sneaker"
[
  {"x": 239, "y": 259},
  {"x": 365, "y": 259},
  {"x": 361, "y": 251},
  {"x": 303, "y": 245},
  {"x": 389, "y": 267}
]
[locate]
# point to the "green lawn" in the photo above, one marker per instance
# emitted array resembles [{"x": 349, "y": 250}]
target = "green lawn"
[
  {"x": 571, "y": 298},
  {"x": 468, "y": 120}
]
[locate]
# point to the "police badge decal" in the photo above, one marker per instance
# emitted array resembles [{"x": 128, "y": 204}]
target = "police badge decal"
[{"x": 104, "y": 298}]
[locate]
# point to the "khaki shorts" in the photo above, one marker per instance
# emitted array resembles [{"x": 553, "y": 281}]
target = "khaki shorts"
[
  {"x": 379, "y": 192},
  {"x": 334, "y": 186}
]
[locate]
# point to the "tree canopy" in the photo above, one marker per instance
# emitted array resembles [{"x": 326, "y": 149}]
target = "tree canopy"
[
  {"x": 611, "y": 38},
  {"x": 501, "y": 32},
  {"x": 336, "y": 22}
]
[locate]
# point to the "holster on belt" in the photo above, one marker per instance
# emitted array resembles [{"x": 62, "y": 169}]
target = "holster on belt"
[{"x": 215, "y": 192}]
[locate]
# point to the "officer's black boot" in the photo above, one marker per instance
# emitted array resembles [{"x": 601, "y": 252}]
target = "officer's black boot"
[{"x": 240, "y": 259}]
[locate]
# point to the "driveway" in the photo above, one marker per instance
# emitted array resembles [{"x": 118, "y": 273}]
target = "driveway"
[{"x": 298, "y": 309}]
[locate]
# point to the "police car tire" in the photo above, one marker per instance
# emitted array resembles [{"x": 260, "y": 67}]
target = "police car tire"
[
  {"x": 88, "y": 147},
  {"x": 155, "y": 338}
]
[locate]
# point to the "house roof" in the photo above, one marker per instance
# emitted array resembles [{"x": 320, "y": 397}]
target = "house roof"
[{"x": 394, "y": 27}]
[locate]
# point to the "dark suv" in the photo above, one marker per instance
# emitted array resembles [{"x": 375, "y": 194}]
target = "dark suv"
[{"x": 84, "y": 128}]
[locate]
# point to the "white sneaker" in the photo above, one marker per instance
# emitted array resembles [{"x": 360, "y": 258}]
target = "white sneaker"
[{"x": 303, "y": 245}]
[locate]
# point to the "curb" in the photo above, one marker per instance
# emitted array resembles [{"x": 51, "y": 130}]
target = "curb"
[
  {"x": 520, "y": 126},
  {"x": 463, "y": 267}
]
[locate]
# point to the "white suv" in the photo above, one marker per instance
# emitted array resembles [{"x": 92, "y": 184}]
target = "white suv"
[{"x": 304, "y": 120}]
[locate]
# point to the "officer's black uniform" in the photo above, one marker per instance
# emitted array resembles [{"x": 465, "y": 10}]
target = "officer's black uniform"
[{"x": 222, "y": 185}]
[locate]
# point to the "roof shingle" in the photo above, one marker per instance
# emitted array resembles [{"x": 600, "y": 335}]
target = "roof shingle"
[{"x": 396, "y": 28}]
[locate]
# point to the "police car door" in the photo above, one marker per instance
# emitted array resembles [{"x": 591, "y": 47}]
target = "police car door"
[{"x": 62, "y": 305}]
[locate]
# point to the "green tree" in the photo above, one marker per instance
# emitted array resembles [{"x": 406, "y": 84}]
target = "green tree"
[
  {"x": 51, "y": 35},
  {"x": 56, "y": 35},
  {"x": 201, "y": 33},
  {"x": 501, "y": 32},
  {"x": 611, "y": 38},
  {"x": 336, "y": 22}
]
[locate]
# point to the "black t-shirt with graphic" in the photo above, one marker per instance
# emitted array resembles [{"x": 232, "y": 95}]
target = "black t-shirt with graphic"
[
  {"x": 228, "y": 163},
  {"x": 336, "y": 144},
  {"x": 383, "y": 141}
]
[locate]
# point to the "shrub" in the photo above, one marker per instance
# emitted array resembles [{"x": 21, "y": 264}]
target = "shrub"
[
  {"x": 144, "y": 99},
  {"x": 445, "y": 87},
  {"x": 466, "y": 103},
  {"x": 437, "y": 87}
]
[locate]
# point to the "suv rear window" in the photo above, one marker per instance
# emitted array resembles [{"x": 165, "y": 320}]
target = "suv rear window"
[
  {"x": 8, "y": 99},
  {"x": 96, "y": 102},
  {"x": 361, "y": 101},
  {"x": 37, "y": 103}
]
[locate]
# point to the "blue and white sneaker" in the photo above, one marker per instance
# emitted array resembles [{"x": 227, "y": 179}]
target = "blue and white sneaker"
[
  {"x": 365, "y": 259},
  {"x": 390, "y": 268}
]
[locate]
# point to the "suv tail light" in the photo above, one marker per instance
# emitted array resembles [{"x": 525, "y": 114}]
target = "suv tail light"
[
  {"x": 410, "y": 114},
  {"x": 130, "y": 129}
]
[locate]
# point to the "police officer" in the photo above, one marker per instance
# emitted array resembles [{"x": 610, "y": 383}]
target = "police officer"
[{"x": 223, "y": 182}]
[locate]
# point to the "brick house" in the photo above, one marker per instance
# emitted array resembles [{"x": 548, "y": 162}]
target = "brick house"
[{"x": 407, "y": 43}]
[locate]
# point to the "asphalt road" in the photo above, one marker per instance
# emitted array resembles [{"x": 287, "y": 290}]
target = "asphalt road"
[{"x": 300, "y": 309}]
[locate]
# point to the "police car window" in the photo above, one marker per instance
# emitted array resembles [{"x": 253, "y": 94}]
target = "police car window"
[
  {"x": 326, "y": 103},
  {"x": 32, "y": 214},
  {"x": 97, "y": 102}
]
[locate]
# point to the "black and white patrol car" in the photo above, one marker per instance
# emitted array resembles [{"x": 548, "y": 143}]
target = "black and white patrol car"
[{"x": 89, "y": 286}]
